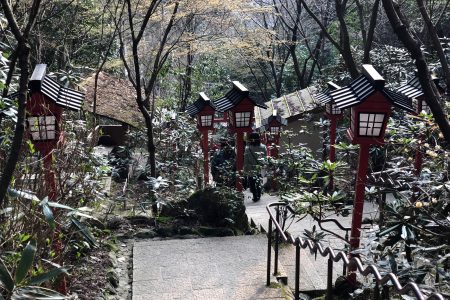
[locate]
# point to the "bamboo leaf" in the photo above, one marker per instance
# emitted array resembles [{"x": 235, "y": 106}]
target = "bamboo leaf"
[
  {"x": 48, "y": 214},
  {"x": 5, "y": 277},
  {"x": 16, "y": 194},
  {"x": 389, "y": 230},
  {"x": 84, "y": 232},
  {"x": 58, "y": 205},
  {"x": 36, "y": 280},
  {"x": 37, "y": 293},
  {"x": 26, "y": 261}
]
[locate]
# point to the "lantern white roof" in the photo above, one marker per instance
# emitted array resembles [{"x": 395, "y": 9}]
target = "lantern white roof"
[
  {"x": 198, "y": 105},
  {"x": 413, "y": 89},
  {"x": 233, "y": 97},
  {"x": 365, "y": 86},
  {"x": 62, "y": 96}
]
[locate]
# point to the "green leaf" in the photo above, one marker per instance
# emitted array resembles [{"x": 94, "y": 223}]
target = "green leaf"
[
  {"x": 48, "y": 214},
  {"x": 36, "y": 280},
  {"x": 5, "y": 277},
  {"x": 390, "y": 229},
  {"x": 37, "y": 293},
  {"x": 58, "y": 205},
  {"x": 84, "y": 232},
  {"x": 16, "y": 194},
  {"x": 26, "y": 261},
  {"x": 77, "y": 213}
]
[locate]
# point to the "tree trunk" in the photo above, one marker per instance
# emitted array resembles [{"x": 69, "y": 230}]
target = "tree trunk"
[
  {"x": 345, "y": 41},
  {"x": 151, "y": 148},
  {"x": 429, "y": 89},
  {"x": 371, "y": 32},
  {"x": 23, "y": 56},
  {"x": 436, "y": 43},
  {"x": 343, "y": 46},
  {"x": 187, "y": 80},
  {"x": 13, "y": 157}
]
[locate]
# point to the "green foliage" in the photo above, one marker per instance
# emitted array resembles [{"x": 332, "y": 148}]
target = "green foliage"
[{"x": 21, "y": 285}]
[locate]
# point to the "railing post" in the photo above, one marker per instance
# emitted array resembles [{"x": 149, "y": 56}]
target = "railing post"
[
  {"x": 344, "y": 267},
  {"x": 297, "y": 271},
  {"x": 376, "y": 291},
  {"x": 277, "y": 242},
  {"x": 385, "y": 292},
  {"x": 269, "y": 251},
  {"x": 285, "y": 211},
  {"x": 330, "y": 279}
]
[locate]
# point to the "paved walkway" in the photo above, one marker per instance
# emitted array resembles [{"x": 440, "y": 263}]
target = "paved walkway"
[
  {"x": 313, "y": 272},
  {"x": 225, "y": 268}
]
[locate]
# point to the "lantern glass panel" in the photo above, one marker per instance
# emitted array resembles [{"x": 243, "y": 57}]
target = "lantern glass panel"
[
  {"x": 415, "y": 104},
  {"x": 274, "y": 129},
  {"x": 421, "y": 106},
  {"x": 242, "y": 119},
  {"x": 336, "y": 110},
  {"x": 426, "y": 108},
  {"x": 371, "y": 124},
  {"x": 332, "y": 109},
  {"x": 42, "y": 128},
  {"x": 206, "y": 120}
]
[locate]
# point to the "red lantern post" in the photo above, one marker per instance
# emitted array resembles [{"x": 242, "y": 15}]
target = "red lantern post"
[
  {"x": 44, "y": 114},
  {"x": 271, "y": 127},
  {"x": 334, "y": 114},
  {"x": 413, "y": 90},
  {"x": 204, "y": 110},
  {"x": 371, "y": 107},
  {"x": 240, "y": 107},
  {"x": 43, "y": 121}
]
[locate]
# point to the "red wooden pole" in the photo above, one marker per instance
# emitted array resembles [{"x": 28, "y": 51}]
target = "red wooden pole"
[
  {"x": 358, "y": 205},
  {"x": 49, "y": 175},
  {"x": 332, "y": 155},
  {"x": 332, "y": 152},
  {"x": 274, "y": 150},
  {"x": 205, "y": 158},
  {"x": 52, "y": 195},
  {"x": 239, "y": 159}
]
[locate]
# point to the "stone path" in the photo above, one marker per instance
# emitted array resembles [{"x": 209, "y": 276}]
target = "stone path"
[
  {"x": 313, "y": 272},
  {"x": 205, "y": 268},
  {"x": 226, "y": 267}
]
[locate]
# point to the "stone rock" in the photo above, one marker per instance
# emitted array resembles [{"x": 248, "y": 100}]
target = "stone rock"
[
  {"x": 111, "y": 290},
  {"x": 115, "y": 222},
  {"x": 183, "y": 230},
  {"x": 145, "y": 234},
  {"x": 113, "y": 278},
  {"x": 165, "y": 231},
  {"x": 96, "y": 223},
  {"x": 112, "y": 259},
  {"x": 220, "y": 207},
  {"x": 140, "y": 220},
  {"x": 215, "y": 231}
]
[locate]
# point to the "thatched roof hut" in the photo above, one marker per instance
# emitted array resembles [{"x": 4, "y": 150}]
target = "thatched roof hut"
[{"x": 116, "y": 99}]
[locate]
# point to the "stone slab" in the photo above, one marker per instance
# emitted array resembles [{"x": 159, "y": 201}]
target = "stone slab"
[{"x": 200, "y": 269}]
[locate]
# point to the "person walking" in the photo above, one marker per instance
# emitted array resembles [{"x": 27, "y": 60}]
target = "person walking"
[
  {"x": 254, "y": 153},
  {"x": 223, "y": 165}
]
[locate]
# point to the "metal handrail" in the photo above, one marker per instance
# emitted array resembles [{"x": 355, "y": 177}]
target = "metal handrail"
[{"x": 332, "y": 257}]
